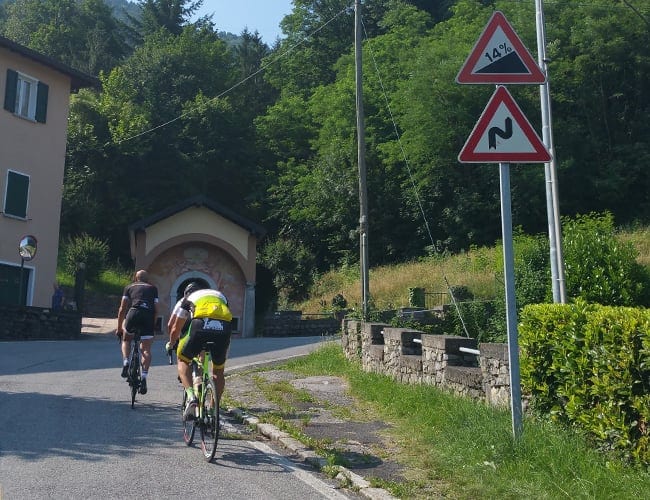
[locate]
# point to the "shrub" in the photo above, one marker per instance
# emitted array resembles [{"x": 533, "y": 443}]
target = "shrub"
[
  {"x": 292, "y": 266},
  {"x": 86, "y": 249},
  {"x": 477, "y": 318},
  {"x": 599, "y": 267},
  {"x": 338, "y": 302},
  {"x": 588, "y": 365},
  {"x": 533, "y": 273}
]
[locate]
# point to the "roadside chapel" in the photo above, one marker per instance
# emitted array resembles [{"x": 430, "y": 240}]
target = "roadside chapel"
[{"x": 199, "y": 240}]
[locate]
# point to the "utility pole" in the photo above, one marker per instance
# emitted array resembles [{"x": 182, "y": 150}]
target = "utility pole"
[
  {"x": 361, "y": 158},
  {"x": 550, "y": 168}
]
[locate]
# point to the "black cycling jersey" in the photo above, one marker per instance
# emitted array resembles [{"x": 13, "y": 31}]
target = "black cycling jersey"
[
  {"x": 141, "y": 295},
  {"x": 140, "y": 317}
]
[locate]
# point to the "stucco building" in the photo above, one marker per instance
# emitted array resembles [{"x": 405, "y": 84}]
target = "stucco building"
[
  {"x": 33, "y": 121},
  {"x": 200, "y": 239}
]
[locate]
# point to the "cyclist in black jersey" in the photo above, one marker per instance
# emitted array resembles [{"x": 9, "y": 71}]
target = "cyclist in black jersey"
[{"x": 138, "y": 312}]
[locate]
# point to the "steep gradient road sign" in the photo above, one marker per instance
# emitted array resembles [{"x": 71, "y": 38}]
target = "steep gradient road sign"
[{"x": 499, "y": 56}]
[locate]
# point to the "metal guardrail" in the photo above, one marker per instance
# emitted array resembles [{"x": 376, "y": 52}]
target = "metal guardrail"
[{"x": 433, "y": 299}]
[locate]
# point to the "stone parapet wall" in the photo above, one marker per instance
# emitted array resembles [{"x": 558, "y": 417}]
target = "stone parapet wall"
[
  {"x": 465, "y": 381},
  {"x": 292, "y": 325},
  {"x": 410, "y": 369},
  {"x": 374, "y": 362},
  {"x": 414, "y": 357},
  {"x": 36, "y": 323}
]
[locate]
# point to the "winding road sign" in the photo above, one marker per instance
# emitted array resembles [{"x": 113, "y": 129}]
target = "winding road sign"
[
  {"x": 499, "y": 56},
  {"x": 503, "y": 135}
]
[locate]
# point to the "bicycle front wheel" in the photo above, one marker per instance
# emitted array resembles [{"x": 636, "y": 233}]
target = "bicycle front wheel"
[
  {"x": 189, "y": 426},
  {"x": 209, "y": 419}
]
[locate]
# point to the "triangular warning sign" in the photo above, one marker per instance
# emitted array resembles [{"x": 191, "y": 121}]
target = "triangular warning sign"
[
  {"x": 503, "y": 135},
  {"x": 499, "y": 56}
]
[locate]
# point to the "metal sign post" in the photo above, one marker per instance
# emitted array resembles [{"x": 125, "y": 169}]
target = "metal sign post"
[
  {"x": 503, "y": 135},
  {"x": 511, "y": 303}
]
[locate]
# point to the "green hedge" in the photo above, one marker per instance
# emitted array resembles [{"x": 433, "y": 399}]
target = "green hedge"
[{"x": 589, "y": 365}]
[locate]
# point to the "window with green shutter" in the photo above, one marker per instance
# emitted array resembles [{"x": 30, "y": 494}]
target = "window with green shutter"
[
  {"x": 26, "y": 96},
  {"x": 16, "y": 194}
]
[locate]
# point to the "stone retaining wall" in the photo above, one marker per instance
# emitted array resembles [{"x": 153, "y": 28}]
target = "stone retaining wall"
[
  {"x": 36, "y": 323},
  {"x": 414, "y": 357},
  {"x": 291, "y": 324}
]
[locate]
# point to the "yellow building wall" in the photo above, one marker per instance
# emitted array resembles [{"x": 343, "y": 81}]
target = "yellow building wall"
[{"x": 198, "y": 220}]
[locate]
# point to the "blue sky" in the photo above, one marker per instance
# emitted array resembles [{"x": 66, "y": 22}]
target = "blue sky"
[{"x": 235, "y": 15}]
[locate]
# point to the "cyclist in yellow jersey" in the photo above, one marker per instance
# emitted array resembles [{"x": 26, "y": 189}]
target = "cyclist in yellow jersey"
[{"x": 210, "y": 322}]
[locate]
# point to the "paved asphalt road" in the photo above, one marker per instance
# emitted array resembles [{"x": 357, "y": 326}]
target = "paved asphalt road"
[{"x": 67, "y": 430}]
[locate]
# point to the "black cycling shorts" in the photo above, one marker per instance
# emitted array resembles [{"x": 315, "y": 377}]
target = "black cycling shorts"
[
  {"x": 207, "y": 330},
  {"x": 139, "y": 321}
]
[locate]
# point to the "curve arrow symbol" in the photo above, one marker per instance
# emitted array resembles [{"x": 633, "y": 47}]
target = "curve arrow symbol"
[{"x": 504, "y": 134}]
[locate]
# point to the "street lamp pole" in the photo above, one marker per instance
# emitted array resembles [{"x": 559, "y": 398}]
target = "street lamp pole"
[{"x": 550, "y": 168}]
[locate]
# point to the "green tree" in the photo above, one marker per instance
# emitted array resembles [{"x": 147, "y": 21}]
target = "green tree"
[
  {"x": 316, "y": 193},
  {"x": 83, "y": 34},
  {"x": 599, "y": 70},
  {"x": 170, "y": 15},
  {"x": 162, "y": 134},
  {"x": 317, "y": 34},
  {"x": 253, "y": 94},
  {"x": 291, "y": 264}
]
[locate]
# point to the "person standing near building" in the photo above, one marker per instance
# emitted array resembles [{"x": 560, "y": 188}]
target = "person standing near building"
[
  {"x": 138, "y": 311},
  {"x": 58, "y": 298}
]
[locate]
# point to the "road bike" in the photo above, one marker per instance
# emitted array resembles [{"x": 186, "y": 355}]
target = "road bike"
[
  {"x": 134, "y": 375},
  {"x": 206, "y": 416}
]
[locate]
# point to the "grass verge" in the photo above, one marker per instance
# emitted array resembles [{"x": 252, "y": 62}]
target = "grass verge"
[{"x": 458, "y": 448}]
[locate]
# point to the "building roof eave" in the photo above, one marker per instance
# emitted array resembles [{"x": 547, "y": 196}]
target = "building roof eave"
[
  {"x": 199, "y": 201},
  {"x": 78, "y": 79}
]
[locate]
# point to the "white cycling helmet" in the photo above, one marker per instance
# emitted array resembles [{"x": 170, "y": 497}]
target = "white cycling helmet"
[{"x": 221, "y": 296}]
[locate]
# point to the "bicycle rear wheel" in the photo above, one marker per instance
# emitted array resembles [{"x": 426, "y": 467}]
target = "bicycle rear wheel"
[
  {"x": 134, "y": 375},
  {"x": 189, "y": 426},
  {"x": 209, "y": 420}
]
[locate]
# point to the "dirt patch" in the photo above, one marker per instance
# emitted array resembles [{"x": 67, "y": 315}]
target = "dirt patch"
[{"x": 322, "y": 409}]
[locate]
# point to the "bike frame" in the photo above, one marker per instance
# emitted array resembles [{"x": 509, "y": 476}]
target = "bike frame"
[
  {"x": 134, "y": 361},
  {"x": 206, "y": 421}
]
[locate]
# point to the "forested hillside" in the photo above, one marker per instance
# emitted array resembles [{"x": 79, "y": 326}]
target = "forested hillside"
[{"x": 271, "y": 131}]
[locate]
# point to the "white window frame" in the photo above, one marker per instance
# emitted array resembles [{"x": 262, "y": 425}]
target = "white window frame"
[{"x": 26, "y": 92}]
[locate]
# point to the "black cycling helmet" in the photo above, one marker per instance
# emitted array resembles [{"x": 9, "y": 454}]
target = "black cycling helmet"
[{"x": 192, "y": 286}]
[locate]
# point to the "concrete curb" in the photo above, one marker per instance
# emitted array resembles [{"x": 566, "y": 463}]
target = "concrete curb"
[{"x": 345, "y": 477}]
